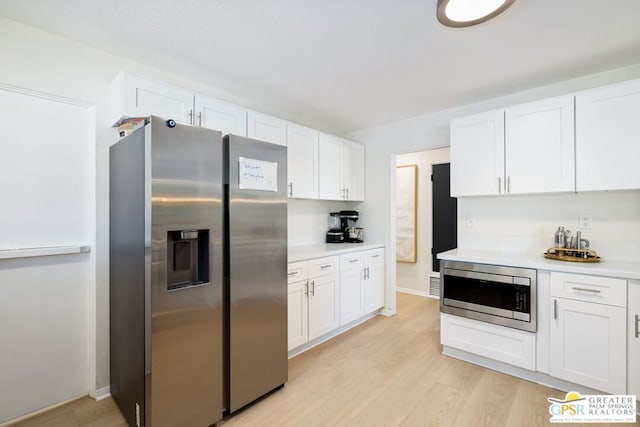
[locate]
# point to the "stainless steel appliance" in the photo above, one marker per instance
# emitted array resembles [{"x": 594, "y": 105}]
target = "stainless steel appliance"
[
  {"x": 198, "y": 287},
  {"x": 496, "y": 294},
  {"x": 256, "y": 268}
]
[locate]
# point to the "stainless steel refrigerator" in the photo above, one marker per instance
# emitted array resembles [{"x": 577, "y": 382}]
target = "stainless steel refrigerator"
[{"x": 183, "y": 319}]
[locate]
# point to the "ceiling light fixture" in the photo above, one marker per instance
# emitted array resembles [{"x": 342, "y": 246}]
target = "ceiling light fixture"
[{"x": 465, "y": 13}]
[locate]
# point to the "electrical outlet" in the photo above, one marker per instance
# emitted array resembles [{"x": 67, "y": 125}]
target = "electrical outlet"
[{"x": 585, "y": 221}]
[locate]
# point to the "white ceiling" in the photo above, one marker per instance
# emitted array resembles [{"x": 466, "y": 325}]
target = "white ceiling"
[{"x": 350, "y": 64}]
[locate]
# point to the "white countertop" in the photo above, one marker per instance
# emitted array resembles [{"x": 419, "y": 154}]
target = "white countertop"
[
  {"x": 606, "y": 267},
  {"x": 301, "y": 253}
]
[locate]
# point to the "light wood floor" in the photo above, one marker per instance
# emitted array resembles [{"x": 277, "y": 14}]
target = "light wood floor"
[{"x": 386, "y": 372}]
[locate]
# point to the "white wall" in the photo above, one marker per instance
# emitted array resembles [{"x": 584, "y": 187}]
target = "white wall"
[
  {"x": 432, "y": 131},
  {"x": 308, "y": 220},
  {"x": 414, "y": 276}
]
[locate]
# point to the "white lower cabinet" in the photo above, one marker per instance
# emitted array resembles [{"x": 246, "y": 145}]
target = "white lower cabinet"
[
  {"x": 633, "y": 339},
  {"x": 587, "y": 331},
  {"x": 361, "y": 284},
  {"x": 324, "y": 303},
  {"x": 506, "y": 345},
  {"x": 330, "y": 292},
  {"x": 373, "y": 288},
  {"x": 297, "y": 311},
  {"x": 313, "y": 300}
]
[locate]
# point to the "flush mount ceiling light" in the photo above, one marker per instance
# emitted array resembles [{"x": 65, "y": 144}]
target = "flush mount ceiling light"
[{"x": 465, "y": 13}]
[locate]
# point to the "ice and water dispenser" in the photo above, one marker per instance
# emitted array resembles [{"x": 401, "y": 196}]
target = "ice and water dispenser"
[{"x": 187, "y": 258}]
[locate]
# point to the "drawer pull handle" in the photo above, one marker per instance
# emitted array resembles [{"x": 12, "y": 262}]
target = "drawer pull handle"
[
  {"x": 375, "y": 256},
  {"x": 353, "y": 260},
  {"x": 595, "y": 291},
  {"x": 322, "y": 267},
  {"x": 637, "y": 323},
  {"x": 292, "y": 273}
]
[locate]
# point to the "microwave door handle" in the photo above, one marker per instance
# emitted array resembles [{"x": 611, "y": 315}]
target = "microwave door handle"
[{"x": 507, "y": 280}]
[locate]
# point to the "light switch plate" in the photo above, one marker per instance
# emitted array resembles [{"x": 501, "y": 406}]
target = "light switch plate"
[{"x": 585, "y": 222}]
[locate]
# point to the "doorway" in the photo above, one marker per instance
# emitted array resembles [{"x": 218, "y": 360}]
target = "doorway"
[{"x": 417, "y": 276}]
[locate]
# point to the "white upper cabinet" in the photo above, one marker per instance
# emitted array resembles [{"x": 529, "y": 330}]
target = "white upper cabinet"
[
  {"x": 330, "y": 180},
  {"x": 341, "y": 169},
  {"x": 134, "y": 97},
  {"x": 477, "y": 154},
  {"x": 539, "y": 146},
  {"x": 353, "y": 170},
  {"x": 219, "y": 115},
  {"x": 608, "y": 137},
  {"x": 527, "y": 148},
  {"x": 266, "y": 128},
  {"x": 302, "y": 161}
]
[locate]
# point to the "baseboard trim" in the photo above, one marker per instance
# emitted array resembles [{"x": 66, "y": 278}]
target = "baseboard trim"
[
  {"x": 101, "y": 393},
  {"x": 308, "y": 346},
  {"x": 38, "y": 412},
  {"x": 415, "y": 292}
]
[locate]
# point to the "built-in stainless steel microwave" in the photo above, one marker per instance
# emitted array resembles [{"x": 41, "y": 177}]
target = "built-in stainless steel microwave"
[{"x": 491, "y": 293}]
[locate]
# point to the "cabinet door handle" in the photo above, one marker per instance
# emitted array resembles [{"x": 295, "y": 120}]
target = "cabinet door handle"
[
  {"x": 499, "y": 185},
  {"x": 637, "y": 322},
  {"x": 595, "y": 291},
  {"x": 313, "y": 288},
  {"x": 367, "y": 273},
  {"x": 200, "y": 118},
  {"x": 291, "y": 189},
  {"x": 555, "y": 309},
  {"x": 347, "y": 190},
  {"x": 190, "y": 117},
  {"x": 508, "y": 185},
  {"x": 306, "y": 289}
]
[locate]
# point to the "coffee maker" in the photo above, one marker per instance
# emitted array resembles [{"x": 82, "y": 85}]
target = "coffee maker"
[{"x": 340, "y": 229}]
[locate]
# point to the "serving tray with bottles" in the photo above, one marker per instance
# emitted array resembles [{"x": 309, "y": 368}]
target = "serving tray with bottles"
[{"x": 572, "y": 255}]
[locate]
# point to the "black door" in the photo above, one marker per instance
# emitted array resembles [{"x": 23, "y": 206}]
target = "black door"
[{"x": 445, "y": 213}]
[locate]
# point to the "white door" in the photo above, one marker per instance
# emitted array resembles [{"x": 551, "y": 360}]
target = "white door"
[
  {"x": 297, "y": 309},
  {"x": 266, "y": 128},
  {"x": 633, "y": 344},
  {"x": 608, "y": 137},
  {"x": 47, "y": 170},
  {"x": 353, "y": 170},
  {"x": 477, "y": 154},
  {"x": 351, "y": 297},
  {"x": 302, "y": 161},
  {"x": 539, "y": 146},
  {"x": 373, "y": 288},
  {"x": 586, "y": 343},
  {"x": 330, "y": 186},
  {"x": 219, "y": 115},
  {"x": 324, "y": 302},
  {"x": 141, "y": 98}
]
